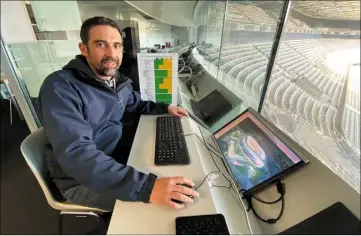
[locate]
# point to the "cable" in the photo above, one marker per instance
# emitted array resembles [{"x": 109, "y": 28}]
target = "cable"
[
  {"x": 181, "y": 59},
  {"x": 271, "y": 220},
  {"x": 206, "y": 146},
  {"x": 214, "y": 185},
  {"x": 230, "y": 180},
  {"x": 240, "y": 199},
  {"x": 205, "y": 179},
  {"x": 272, "y": 202},
  {"x": 282, "y": 191},
  {"x": 222, "y": 186},
  {"x": 210, "y": 150}
]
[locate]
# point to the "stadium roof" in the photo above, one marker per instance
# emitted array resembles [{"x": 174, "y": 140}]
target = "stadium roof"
[{"x": 332, "y": 10}]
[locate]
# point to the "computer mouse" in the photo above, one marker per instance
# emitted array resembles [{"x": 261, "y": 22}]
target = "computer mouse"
[{"x": 185, "y": 185}]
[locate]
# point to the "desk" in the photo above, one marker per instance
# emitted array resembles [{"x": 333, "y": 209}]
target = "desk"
[
  {"x": 142, "y": 218},
  {"x": 308, "y": 190}
]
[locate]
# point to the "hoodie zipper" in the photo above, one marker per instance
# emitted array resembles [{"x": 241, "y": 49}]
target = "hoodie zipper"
[{"x": 115, "y": 91}]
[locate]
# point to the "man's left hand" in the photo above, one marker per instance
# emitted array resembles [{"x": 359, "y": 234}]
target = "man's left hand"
[{"x": 177, "y": 111}]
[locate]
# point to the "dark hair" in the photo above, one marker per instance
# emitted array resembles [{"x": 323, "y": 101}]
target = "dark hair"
[{"x": 94, "y": 21}]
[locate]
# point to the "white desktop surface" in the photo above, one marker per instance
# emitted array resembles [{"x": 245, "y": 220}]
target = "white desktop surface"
[
  {"x": 308, "y": 191},
  {"x": 142, "y": 218}
]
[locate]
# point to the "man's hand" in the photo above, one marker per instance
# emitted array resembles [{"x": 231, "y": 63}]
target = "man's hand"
[
  {"x": 177, "y": 111},
  {"x": 166, "y": 189}
]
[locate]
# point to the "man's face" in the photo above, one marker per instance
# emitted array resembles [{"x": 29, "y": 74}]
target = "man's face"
[{"x": 104, "y": 51}]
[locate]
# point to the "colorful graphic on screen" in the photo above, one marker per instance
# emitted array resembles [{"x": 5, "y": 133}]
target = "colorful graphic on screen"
[{"x": 253, "y": 155}]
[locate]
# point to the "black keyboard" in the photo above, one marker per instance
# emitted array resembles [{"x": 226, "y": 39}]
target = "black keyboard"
[
  {"x": 201, "y": 225},
  {"x": 170, "y": 145}
]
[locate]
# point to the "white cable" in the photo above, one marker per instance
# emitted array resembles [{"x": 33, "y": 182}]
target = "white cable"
[
  {"x": 230, "y": 179},
  {"x": 240, "y": 199},
  {"x": 190, "y": 73},
  {"x": 181, "y": 69}
]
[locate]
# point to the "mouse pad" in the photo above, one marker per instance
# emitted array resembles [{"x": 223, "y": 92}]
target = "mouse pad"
[{"x": 336, "y": 219}]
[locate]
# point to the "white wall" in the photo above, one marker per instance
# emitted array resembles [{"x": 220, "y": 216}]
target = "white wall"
[
  {"x": 181, "y": 34},
  {"x": 15, "y": 23},
  {"x": 148, "y": 37},
  {"x": 88, "y": 11},
  {"x": 179, "y": 13},
  {"x": 56, "y": 15}
]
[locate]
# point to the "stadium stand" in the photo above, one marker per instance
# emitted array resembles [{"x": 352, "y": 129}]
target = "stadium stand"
[
  {"x": 300, "y": 84},
  {"x": 306, "y": 97}
]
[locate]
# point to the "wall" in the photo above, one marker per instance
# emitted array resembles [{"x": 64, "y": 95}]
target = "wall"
[
  {"x": 181, "y": 34},
  {"x": 88, "y": 11},
  {"x": 178, "y": 13},
  {"x": 15, "y": 23},
  {"x": 150, "y": 37}
]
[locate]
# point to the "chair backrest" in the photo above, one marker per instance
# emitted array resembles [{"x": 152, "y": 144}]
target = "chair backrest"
[{"x": 33, "y": 149}]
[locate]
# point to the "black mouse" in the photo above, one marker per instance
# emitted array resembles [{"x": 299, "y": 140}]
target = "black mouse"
[{"x": 185, "y": 185}]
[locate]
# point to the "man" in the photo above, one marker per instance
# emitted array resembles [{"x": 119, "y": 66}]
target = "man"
[{"x": 80, "y": 108}]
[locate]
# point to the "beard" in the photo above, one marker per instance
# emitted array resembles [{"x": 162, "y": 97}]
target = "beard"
[{"x": 102, "y": 69}]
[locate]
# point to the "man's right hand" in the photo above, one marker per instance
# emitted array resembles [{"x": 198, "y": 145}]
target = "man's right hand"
[{"x": 166, "y": 189}]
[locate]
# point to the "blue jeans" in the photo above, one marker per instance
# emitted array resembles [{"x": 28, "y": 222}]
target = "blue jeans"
[{"x": 83, "y": 196}]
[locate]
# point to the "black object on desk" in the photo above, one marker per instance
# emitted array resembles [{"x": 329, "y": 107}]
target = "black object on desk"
[
  {"x": 211, "y": 107},
  {"x": 201, "y": 225},
  {"x": 170, "y": 145},
  {"x": 334, "y": 220}
]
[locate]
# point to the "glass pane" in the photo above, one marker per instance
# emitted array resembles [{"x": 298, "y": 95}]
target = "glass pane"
[
  {"x": 248, "y": 37},
  {"x": 314, "y": 92},
  {"x": 202, "y": 92},
  {"x": 235, "y": 55}
]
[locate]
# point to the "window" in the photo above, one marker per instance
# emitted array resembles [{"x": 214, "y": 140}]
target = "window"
[{"x": 314, "y": 92}]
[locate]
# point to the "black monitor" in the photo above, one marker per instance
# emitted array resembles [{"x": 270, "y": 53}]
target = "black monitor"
[{"x": 254, "y": 154}]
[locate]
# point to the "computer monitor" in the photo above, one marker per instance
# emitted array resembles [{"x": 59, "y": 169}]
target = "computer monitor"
[{"x": 254, "y": 155}]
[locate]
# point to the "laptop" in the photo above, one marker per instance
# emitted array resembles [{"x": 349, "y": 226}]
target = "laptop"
[{"x": 255, "y": 152}]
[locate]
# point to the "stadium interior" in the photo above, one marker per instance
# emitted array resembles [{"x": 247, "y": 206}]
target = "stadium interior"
[{"x": 312, "y": 92}]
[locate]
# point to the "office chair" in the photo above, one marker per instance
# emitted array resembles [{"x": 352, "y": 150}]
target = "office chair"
[{"x": 32, "y": 149}]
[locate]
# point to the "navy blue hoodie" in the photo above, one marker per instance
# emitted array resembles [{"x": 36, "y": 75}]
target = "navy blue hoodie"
[{"x": 81, "y": 117}]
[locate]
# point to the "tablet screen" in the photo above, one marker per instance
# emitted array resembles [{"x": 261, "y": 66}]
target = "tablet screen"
[{"x": 253, "y": 153}]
